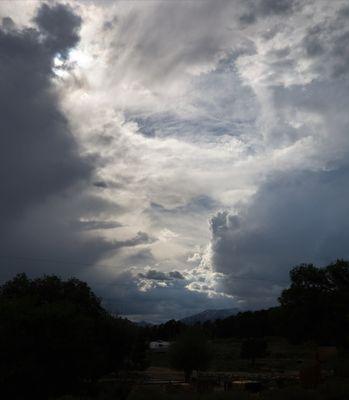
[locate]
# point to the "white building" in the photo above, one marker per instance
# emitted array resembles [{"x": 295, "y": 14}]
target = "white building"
[{"x": 159, "y": 346}]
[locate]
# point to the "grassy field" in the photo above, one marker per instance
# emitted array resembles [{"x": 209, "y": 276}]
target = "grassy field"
[
  {"x": 226, "y": 356},
  {"x": 282, "y": 358},
  {"x": 332, "y": 390}
]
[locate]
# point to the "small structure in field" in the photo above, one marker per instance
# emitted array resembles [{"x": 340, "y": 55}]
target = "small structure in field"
[{"x": 159, "y": 346}]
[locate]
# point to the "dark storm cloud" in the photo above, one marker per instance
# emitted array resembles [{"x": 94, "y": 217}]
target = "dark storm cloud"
[
  {"x": 294, "y": 218},
  {"x": 153, "y": 274},
  {"x": 39, "y": 156},
  {"x": 101, "y": 184},
  {"x": 44, "y": 179},
  {"x": 59, "y": 25}
]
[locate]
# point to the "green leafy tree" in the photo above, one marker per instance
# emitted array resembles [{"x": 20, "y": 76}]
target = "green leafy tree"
[{"x": 191, "y": 351}]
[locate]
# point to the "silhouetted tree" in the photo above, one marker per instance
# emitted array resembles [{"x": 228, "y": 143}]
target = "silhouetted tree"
[
  {"x": 316, "y": 305},
  {"x": 55, "y": 336},
  {"x": 169, "y": 330},
  {"x": 191, "y": 351},
  {"x": 139, "y": 359}
]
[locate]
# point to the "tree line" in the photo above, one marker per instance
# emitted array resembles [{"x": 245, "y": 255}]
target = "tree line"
[
  {"x": 57, "y": 339},
  {"x": 315, "y": 307}
]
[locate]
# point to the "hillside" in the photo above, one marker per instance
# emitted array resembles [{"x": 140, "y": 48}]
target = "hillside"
[{"x": 209, "y": 315}]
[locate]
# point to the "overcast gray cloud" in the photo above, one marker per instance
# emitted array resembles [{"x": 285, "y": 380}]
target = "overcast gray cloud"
[
  {"x": 35, "y": 134},
  {"x": 264, "y": 8},
  {"x": 45, "y": 179},
  {"x": 178, "y": 156},
  {"x": 294, "y": 218}
]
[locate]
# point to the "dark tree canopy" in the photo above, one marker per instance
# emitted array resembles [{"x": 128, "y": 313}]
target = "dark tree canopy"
[
  {"x": 316, "y": 305},
  {"x": 55, "y": 335},
  {"x": 191, "y": 351}
]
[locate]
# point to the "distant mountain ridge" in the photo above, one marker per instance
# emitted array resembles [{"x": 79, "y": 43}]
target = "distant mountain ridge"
[
  {"x": 144, "y": 324},
  {"x": 209, "y": 315}
]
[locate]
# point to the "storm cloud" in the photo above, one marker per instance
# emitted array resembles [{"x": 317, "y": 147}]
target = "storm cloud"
[
  {"x": 177, "y": 156},
  {"x": 294, "y": 218},
  {"x": 39, "y": 155},
  {"x": 45, "y": 178}
]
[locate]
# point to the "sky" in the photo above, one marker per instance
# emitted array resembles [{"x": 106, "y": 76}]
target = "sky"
[{"x": 176, "y": 155}]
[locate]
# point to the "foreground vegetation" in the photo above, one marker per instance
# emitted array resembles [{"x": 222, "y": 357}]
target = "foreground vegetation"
[
  {"x": 314, "y": 308},
  {"x": 56, "y": 338},
  {"x": 57, "y": 341}
]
